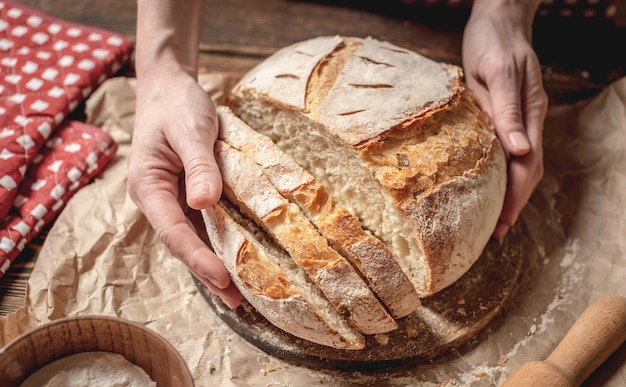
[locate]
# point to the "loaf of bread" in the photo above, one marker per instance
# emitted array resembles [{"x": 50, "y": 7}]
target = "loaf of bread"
[
  {"x": 368, "y": 167},
  {"x": 246, "y": 185},
  {"x": 342, "y": 230}
]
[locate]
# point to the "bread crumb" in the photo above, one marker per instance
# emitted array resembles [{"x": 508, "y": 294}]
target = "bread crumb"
[
  {"x": 412, "y": 332},
  {"x": 211, "y": 367},
  {"x": 503, "y": 360},
  {"x": 269, "y": 366},
  {"x": 461, "y": 301},
  {"x": 382, "y": 339},
  {"x": 479, "y": 374}
]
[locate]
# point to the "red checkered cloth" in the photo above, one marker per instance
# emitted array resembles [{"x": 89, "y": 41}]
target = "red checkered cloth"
[{"x": 47, "y": 67}]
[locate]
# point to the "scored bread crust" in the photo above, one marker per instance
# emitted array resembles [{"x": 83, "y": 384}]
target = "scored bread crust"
[
  {"x": 369, "y": 86},
  {"x": 259, "y": 276},
  {"x": 439, "y": 172},
  {"x": 334, "y": 221},
  {"x": 247, "y": 187}
]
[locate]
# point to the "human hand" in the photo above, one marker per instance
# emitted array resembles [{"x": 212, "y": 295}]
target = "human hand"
[
  {"x": 172, "y": 171},
  {"x": 502, "y": 69}
]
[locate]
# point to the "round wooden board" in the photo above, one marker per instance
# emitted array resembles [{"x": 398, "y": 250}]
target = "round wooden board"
[{"x": 446, "y": 320}]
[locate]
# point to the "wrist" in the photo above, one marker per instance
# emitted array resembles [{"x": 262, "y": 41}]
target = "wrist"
[
  {"x": 164, "y": 63},
  {"x": 529, "y": 6},
  {"x": 168, "y": 36},
  {"x": 520, "y": 12}
]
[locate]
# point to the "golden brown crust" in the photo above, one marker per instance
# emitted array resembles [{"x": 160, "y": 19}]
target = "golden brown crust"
[
  {"x": 265, "y": 286},
  {"x": 245, "y": 185},
  {"x": 473, "y": 203},
  {"x": 261, "y": 278},
  {"x": 366, "y": 252},
  {"x": 335, "y": 222},
  {"x": 291, "y": 84},
  {"x": 388, "y": 87},
  {"x": 413, "y": 160}
]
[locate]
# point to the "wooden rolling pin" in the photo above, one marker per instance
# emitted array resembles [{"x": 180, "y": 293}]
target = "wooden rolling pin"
[{"x": 597, "y": 333}]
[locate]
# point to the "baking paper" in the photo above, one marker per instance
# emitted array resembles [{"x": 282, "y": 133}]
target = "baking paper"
[{"x": 102, "y": 257}]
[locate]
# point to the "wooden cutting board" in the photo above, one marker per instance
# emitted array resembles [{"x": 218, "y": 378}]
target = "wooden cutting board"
[{"x": 446, "y": 320}]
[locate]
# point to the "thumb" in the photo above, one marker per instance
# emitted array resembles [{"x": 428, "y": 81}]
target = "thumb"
[
  {"x": 203, "y": 181},
  {"x": 507, "y": 115}
]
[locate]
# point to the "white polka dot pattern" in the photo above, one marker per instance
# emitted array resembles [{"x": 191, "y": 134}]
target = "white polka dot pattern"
[
  {"x": 47, "y": 67},
  {"x": 79, "y": 153}
]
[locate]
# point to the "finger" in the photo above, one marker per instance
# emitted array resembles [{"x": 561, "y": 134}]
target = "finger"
[
  {"x": 482, "y": 94},
  {"x": 506, "y": 112},
  {"x": 230, "y": 295},
  {"x": 501, "y": 230},
  {"x": 179, "y": 236},
  {"x": 203, "y": 180},
  {"x": 513, "y": 200},
  {"x": 201, "y": 260},
  {"x": 535, "y": 104},
  {"x": 524, "y": 173},
  {"x": 196, "y": 223}
]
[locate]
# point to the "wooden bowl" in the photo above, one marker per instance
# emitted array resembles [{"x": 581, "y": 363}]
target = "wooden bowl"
[{"x": 71, "y": 335}]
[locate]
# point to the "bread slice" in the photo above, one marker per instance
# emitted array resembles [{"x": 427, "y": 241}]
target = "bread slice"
[
  {"x": 271, "y": 282},
  {"x": 335, "y": 222},
  {"x": 394, "y": 137},
  {"x": 247, "y": 187}
]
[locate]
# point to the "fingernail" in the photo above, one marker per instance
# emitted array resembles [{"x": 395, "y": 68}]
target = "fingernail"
[
  {"x": 200, "y": 190},
  {"x": 518, "y": 141},
  {"x": 223, "y": 284},
  {"x": 232, "y": 304},
  {"x": 199, "y": 196},
  {"x": 500, "y": 231}
]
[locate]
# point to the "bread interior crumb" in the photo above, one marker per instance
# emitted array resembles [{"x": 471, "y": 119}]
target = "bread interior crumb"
[{"x": 339, "y": 170}]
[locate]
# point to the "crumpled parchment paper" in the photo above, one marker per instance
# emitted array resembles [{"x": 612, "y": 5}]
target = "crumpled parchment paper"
[{"x": 102, "y": 257}]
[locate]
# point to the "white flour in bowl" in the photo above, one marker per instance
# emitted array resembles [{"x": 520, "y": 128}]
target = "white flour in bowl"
[{"x": 94, "y": 369}]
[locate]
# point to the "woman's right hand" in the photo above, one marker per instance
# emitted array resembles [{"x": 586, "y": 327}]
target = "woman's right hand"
[{"x": 502, "y": 69}]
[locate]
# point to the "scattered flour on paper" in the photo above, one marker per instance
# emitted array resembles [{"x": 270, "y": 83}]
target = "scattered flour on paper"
[{"x": 571, "y": 277}]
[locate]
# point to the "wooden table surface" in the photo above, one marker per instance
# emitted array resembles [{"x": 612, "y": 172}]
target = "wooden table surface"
[{"x": 237, "y": 34}]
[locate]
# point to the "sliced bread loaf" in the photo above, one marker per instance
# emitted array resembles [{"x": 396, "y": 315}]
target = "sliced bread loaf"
[
  {"x": 247, "y": 186},
  {"x": 394, "y": 137},
  {"x": 271, "y": 282},
  {"x": 335, "y": 222}
]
